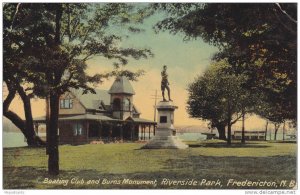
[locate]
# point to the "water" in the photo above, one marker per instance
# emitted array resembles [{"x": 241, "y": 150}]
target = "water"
[
  {"x": 13, "y": 139},
  {"x": 191, "y": 136}
]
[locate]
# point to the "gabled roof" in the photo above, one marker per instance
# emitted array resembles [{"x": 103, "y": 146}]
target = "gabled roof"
[
  {"x": 88, "y": 117},
  {"x": 78, "y": 117},
  {"x": 135, "y": 110},
  {"x": 121, "y": 85},
  {"x": 90, "y": 100}
]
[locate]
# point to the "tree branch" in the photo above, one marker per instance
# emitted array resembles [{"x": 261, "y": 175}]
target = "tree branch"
[
  {"x": 284, "y": 25},
  {"x": 87, "y": 57},
  {"x": 65, "y": 84},
  {"x": 21, "y": 92},
  {"x": 15, "y": 15},
  {"x": 285, "y": 13},
  {"x": 238, "y": 117},
  {"x": 11, "y": 95},
  {"x": 12, "y": 116},
  {"x": 58, "y": 16},
  {"x": 16, "y": 120}
]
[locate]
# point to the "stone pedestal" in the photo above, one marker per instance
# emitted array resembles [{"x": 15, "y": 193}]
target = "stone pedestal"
[{"x": 165, "y": 134}]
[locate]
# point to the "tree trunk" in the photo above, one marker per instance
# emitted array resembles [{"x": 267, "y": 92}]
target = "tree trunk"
[
  {"x": 16, "y": 120},
  {"x": 24, "y": 126},
  {"x": 229, "y": 134},
  {"x": 28, "y": 116},
  {"x": 228, "y": 124},
  {"x": 266, "y": 130},
  {"x": 243, "y": 129},
  {"x": 52, "y": 124},
  {"x": 283, "y": 130},
  {"x": 52, "y": 138},
  {"x": 47, "y": 99},
  {"x": 221, "y": 130},
  {"x": 58, "y": 16},
  {"x": 276, "y": 126}
]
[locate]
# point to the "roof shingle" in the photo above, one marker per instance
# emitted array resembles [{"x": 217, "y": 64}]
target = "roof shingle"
[
  {"x": 121, "y": 85},
  {"x": 90, "y": 100}
]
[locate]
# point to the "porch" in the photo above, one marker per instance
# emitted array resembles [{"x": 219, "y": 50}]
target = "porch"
[{"x": 82, "y": 129}]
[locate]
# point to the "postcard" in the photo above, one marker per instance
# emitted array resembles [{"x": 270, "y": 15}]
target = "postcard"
[{"x": 150, "y": 96}]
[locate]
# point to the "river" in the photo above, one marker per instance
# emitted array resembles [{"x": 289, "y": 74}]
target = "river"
[{"x": 15, "y": 139}]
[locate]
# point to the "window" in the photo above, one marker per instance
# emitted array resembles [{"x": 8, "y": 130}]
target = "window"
[
  {"x": 117, "y": 104},
  {"x": 66, "y": 103},
  {"x": 77, "y": 129},
  {"x": 127, "y": 104}
]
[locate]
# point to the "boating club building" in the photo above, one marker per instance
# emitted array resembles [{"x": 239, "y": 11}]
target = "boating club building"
[{"x": 107, "y": 116}]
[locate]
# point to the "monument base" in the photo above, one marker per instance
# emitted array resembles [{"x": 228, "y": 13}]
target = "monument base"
[
  {"x": 163, "y": 141},
  {"x": 165, "y": 133}
]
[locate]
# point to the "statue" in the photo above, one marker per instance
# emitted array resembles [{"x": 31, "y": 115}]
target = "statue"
[
  {"x": 165, "y": 132},
  {"x": 165, "y": 83}
]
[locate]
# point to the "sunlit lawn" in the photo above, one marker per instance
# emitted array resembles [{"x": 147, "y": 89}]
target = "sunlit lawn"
[{"x": 27, "y": 167}]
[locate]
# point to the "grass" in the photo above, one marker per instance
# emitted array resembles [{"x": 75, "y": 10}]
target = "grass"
[{"x": 211, "y": 160}]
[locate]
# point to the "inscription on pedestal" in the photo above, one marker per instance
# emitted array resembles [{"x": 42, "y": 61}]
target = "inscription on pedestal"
[{"x": 163, "y": 119}]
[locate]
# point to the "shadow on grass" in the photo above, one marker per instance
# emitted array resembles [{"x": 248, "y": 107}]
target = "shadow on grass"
[
  {"x": 220, "y": 145},
  {"x": 283, "y": 142},
  {"x": 225, "y": 145},
  {"x": 213, "y": 168}
]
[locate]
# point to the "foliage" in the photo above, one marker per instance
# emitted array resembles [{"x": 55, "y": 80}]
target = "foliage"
[
  {"x": 14, "y": 75},
  {"x": 82, "y": 31},
  {"x": 218, "y": 96},
  {"x": 258, "y": 39},
  {"x": 55, "y": 40},
  {"x": 272, "y": 111}
]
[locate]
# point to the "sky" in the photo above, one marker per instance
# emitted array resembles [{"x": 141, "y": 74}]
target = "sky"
[{"x": 185, "y": 60}]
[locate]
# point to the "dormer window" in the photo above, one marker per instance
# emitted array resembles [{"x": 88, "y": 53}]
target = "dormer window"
[{"x": 66, "y": 103}]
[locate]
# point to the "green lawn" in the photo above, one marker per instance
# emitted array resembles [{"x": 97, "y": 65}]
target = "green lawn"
[{"x": 255, "y": 161}]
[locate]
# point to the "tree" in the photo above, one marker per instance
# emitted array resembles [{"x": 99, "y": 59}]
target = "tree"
[
  {"x": 14, "y": 75},
  {"x": 271, "y": 111},
  {"x": 259, "y": 40},
  {"x": 64, "y": 37},
  {"x": 218, "y": 97}
]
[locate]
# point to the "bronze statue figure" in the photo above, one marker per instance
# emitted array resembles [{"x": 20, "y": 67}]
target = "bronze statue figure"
[{"x": 165, "y": 83}]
